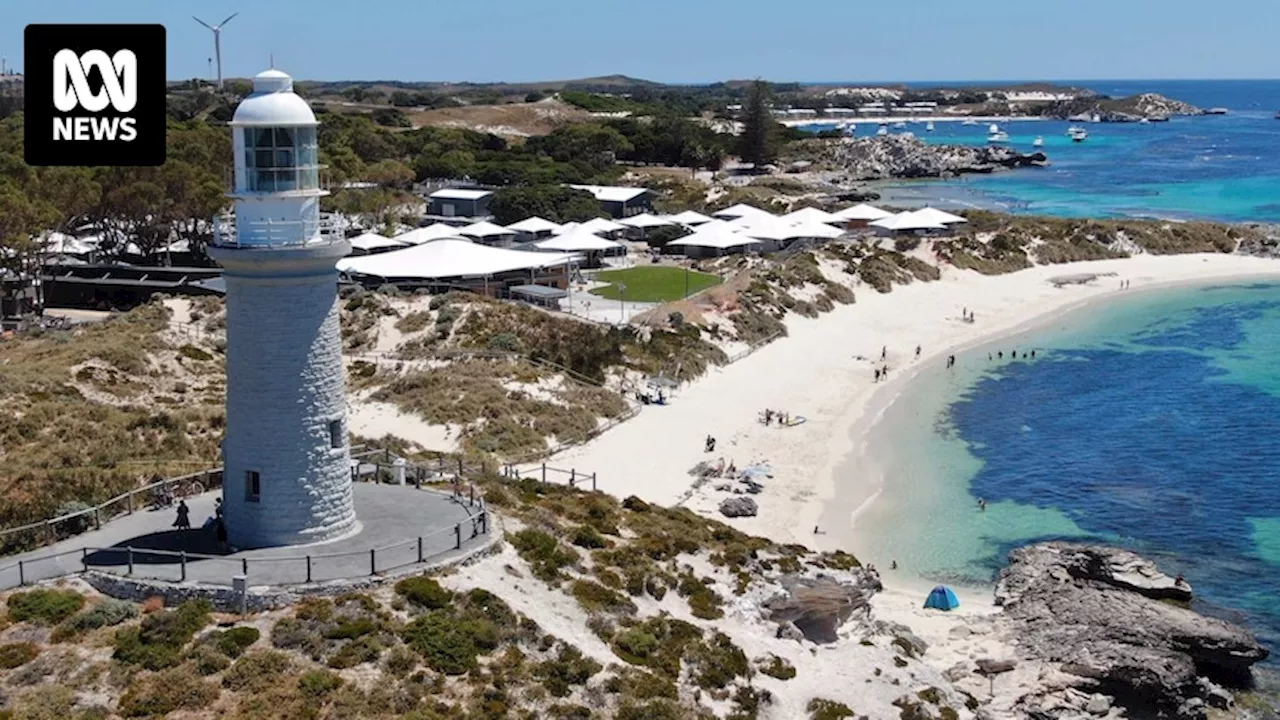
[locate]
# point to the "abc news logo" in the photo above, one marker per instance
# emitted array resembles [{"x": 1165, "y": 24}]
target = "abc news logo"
[{"x": 95, "y": 95}]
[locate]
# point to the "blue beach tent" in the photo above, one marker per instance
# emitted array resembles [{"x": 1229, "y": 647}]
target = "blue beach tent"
[{"x": 942, "y": 598}]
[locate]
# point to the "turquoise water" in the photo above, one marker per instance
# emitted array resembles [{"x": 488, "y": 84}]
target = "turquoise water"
[
  {"x": 1150, "y": 422},
  {"x": 1214, "y": 167}
]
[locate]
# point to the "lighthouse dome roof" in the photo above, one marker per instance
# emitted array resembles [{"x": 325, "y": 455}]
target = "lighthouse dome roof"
[{"x": 273, "y": 103}]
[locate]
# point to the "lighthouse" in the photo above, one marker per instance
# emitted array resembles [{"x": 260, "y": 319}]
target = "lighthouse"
[{"x": 286, "y": 459}]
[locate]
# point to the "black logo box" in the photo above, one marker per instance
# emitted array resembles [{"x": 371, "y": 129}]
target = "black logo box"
[{"x": 42, "y": 42}]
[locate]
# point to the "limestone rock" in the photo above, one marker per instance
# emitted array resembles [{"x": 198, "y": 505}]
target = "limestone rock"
[
  {"x": 1101, "y": 615},
  {"x": 739, "y": 507},
  {"x": 903, "y": 156},
  {"x": 818, "y": 606}
]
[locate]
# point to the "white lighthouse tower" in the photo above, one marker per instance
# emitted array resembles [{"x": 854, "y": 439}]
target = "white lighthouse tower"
[{"x": 287, "y": 467}]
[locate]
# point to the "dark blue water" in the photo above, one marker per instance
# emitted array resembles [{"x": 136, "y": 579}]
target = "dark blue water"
[
  {"x": 1215, "y": 167},
  {"x": 1156, "y": 426}
]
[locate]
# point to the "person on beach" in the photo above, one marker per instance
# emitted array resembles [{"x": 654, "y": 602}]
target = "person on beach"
[
  {"x": 877, "y": 374},
  {"x": 917, "y": 351},
  {"x": 184, "y": 516},
  {"x": 710, "y": 444},
  {"x": 982, "y": 504},
  {"x": 999, "y": 354},
  {"x": 1013, "y": 353},
  {"x": 893, "y": 564},
  {"x": 1033, "y": 353},
  {"x": 884, "y": 352}
]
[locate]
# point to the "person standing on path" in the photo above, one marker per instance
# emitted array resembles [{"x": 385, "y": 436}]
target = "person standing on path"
[{"x": 184, "y": 516}]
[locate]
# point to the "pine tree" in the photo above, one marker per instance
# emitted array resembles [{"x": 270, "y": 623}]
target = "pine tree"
[{"x": 758, "y": 143}]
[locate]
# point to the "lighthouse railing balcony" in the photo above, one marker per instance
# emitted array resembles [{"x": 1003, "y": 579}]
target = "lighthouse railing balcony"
[{"x": 274, "y": 233}]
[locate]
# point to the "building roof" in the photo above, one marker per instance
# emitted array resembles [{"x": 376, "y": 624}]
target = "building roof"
[
  {"x": 812, "y": 214},
  {"x": 939, "y": 216},
  {"x": 862, "y": 212},
  {"x": 719, "y": 237},
  {"x": 908, "y": 221},
  {"x": 601, "y": 225},
  {"x": 690, "y": 218},
  {"x": 420, "y": 235},
  {"x": 579, "y": 240},
  {"x": 645, "y": 220},
  {"x": 449, "y": 258},
  {"x": 611, "y": 193},
  {"x": 541, "y": 292},
  {"x": 740, "y": 210},
  {"x": 273, "y": 102},
  {"x": 460, "y": 194},
  {"x": 534, "y": 224},
  {"x": 374, "y": 241},
  {"x": 812, "y": 229},
  {"x": 485, "y": 229}
]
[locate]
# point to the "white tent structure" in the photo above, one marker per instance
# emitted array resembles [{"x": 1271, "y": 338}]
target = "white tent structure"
[
  {"x": 907, "y": 222},
  {"x": 485, "y": 230},
  {"x": 739, "y": 211},
  {"x": 718, "y": 237},
  {"x": 812, "y": 215},
  {"x": 373, "y": 242},
  {"x": 449, "y": 258},
  {"x": 645, "y": 221},
  {"x": 534, "y": 226},
  {"x": 56, "y": 243},
  {"x": 813, "y": 229},
  {"x": 580, "y": 240},
  {"x": 864, "y": 213},
  {"x": 764, "y": 227},
  {"x": 601, "y": 226},
  {"x": 427, "y": 234},
  {"x": 690, "y": 218},
  {"x": 939, "y": 216}
]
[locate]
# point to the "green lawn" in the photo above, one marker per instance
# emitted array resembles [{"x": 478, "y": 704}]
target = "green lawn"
[{"x": 653, "y": 283}]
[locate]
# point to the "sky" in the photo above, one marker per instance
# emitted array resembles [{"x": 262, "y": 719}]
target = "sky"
[{"x": 697, "y": 41}]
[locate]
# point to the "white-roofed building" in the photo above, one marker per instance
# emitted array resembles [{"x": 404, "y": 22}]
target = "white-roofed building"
[
  {"x": 420, "y": 235},
  {"x": 372, "y": 243},
  {"x": 534, "y": 227},
  {"x": 487, "y": 233},
  {"x": 472, "y": 203},
  {"x": 458, "y": 263},
  {"x": 618, "y": 201},
  {"x": 691, "y": 218},
  {"x": 740, "y": 210},
  {"x": 812, "y": 214},
  {"x": 858, "y": 216},
  {"x": 715, "y": 239},
  {"x": 583, "y": 241},
  {"x": 907, "y": 222},
  {"x": 939, "y": 216},
  {"x": 599, "y": 226},
  {"x": 645, "y": 221}
]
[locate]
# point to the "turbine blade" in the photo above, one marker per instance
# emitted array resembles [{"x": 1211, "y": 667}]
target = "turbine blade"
[
  {"x": 193, "y": 17},
  {"x": 224, "y": 22}
]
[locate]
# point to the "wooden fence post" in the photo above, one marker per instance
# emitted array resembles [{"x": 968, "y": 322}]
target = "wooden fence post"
[
  {"x": 573, "y": 477},
  {"x": 457, "y": 535},
  {"x": 22, "y": 573},
  {"x": 97, "y": 519},
  {"x": 308, "y": 568},
  {"x": 182, "y": 558},
  {"x": 129, "y": 551},
  {"x": 419, "y": 548},
  {"x": 244, "y": 566},
  {"x": 593, "y": 482},
  {"x": 373, "y": 561},
  {"x": 544, "y": 473}
]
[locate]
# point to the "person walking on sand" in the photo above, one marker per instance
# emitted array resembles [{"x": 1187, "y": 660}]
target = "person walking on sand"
[
  {"x": 917, "y": 351},
  {"x": 884, "y": 352},
  {"x": 982, "y": 504},
  {"x": 184, "y": 516},
  {"x": 999, "y": 354}
]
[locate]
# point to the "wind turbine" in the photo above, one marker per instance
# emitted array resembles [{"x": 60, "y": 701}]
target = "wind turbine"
[{"x": 217, "y": 41}]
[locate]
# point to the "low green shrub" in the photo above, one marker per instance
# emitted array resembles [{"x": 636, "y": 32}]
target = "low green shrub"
[
  {"x": 158, "y": 642},
  {"x": 208, "y": 661},
  {"x": 44, "y": 606},
  {"x": 569, "y": 668},
  {"x": 594, "y": 597},
  {"x": 717, "y": 662},
  {"x": 257, "y": 671},
  {"x": 588, "y": 537},
  {"x": 17, "y": 654},
  {"x": 365, "y": 649},
  {"x": 777, "y": 667},
  {"x": 543, "y": 553},
  {"x": 168, "y": 691},
  {"x": 194, "y": 353},
  {"x": 107, "y": 613},
  {"x": 822, "y": 709},
  {"x": 448, "y": 643},
  {"x": 235, "y": 641},
  {"x": 319, "y": 683},
  {"x": 424, "y": 592}
]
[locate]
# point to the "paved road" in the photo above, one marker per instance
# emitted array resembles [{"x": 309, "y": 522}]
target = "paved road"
[{"x": 392, "y": 518}]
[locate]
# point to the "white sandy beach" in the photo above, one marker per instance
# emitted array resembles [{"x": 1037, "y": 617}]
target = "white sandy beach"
[{"x": 816, "y": 373}]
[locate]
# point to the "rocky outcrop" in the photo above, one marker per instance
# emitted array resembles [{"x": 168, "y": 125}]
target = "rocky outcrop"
[
  {"x": 1130, "y": 109},
  {"x": 1117, "y": 625},
  {"x": 739, "y": 507},
  {"x": 904, "y": 156},
  {"x": 818, "y": 606}
]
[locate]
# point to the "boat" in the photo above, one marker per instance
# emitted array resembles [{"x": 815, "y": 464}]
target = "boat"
[
  {"x": 1038, "y": 142},
  {"x": 993, "y": 129},
  {"x": 1078, "y": 134},
  {"x": 1278, "y": 116},
  {"x": 883, "y": 130},
  {"x": 998, "y": 137},
  {"x": 1144, "y": 121},
  {"x": 970, "y": 121},
  {"x": 1216, "y": 111},
  {"x": 899, "y": 125},
  {"x": 929, "y": 127}
]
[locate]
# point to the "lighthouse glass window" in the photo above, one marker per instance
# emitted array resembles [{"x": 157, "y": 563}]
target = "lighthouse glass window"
[{"x": 281, "y": 159}]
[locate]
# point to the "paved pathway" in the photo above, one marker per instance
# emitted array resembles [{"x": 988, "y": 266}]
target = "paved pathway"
[{"x": 392, "y": 518}]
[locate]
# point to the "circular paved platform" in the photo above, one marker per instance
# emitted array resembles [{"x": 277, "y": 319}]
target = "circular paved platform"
[{"x": 399, "y": 527}]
